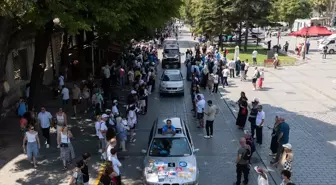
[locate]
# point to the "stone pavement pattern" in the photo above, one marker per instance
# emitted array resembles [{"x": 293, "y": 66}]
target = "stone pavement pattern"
[
  {"x": 304, "y": 95},
  {"x": 216, "y": 156}
]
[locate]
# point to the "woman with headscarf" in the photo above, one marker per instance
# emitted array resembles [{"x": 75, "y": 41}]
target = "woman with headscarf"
[{"x": 243, "y": 111}]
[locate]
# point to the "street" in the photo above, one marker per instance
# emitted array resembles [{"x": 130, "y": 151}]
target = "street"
[{"x": 303, "y": 95}]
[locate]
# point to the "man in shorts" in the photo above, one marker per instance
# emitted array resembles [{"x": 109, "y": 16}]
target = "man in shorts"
[{"x": 200, "y": 105}]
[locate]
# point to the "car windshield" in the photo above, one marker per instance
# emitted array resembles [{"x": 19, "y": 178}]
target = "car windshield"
[
  {"x": 171, "y": 52},
  {"x": 171, "y": 77},
  {"x": 169, "y": 147}
]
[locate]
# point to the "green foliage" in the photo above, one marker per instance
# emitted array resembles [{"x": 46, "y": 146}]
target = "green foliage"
[
  {"x": 320, "y": 5},
  {"x": 289, "y": 10}
]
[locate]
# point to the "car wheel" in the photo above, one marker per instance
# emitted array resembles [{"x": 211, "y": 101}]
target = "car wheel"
[{"x": 331, "y": 51}]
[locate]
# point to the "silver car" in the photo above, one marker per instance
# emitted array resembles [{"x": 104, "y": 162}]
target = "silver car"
[
  {"x": 172, "y": 82},
  {"x": 170, "y": 159}
]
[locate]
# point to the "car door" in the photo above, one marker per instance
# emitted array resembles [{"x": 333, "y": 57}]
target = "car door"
[
  {"x": 151, "y": 134},
  {"x": 189, "y": 136}
]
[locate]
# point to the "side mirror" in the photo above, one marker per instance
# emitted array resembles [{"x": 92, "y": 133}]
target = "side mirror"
[{"x": 196, "y": 150}]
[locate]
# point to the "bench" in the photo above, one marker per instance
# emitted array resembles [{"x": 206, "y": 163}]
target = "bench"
[{"x": 269, "y": 63}]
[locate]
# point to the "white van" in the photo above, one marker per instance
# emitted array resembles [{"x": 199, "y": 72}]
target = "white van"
[
  {"x": 333, "y": 36},
  {"x": 330, "y": 43}
]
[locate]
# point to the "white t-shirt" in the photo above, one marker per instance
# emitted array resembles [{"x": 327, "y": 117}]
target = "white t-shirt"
[
  {"x": 232, "y": 64},
  {"x": 254, "y": 54},
  {"x": 108, "y": 152},
  {"x": 262, "y": 181},
  {"x": 260, "y": 117},
  {"x": 131, "y": 118},
  {"x": 115, "y": 110},
  {"x": 247, "y": 65},
  {"x": 116, "y": 164},
  {"x": 65, "y": 93},
  {"x": 61, "y": 80},
  {"x": 99, "y": 127},
  {"x": 255, "y": 73},
  {"x": 106, "y": 70},
  {"x": 200, "y": 106},
  {"x": 262, "y": 74},
  {"x": 202, "y": 96},
  {"x": 215, "y": 77},
  {"x": 226, "y": 72}
]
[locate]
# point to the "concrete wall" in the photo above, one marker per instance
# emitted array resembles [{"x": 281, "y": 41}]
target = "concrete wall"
[{"x": 17, "y": 87}]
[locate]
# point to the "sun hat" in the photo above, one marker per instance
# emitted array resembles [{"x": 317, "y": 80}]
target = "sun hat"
[
  {"x": 288, "y": 146},
  {"x": 105, "y": 116}
]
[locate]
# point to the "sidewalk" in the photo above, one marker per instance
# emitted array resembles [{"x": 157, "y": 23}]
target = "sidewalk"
[
  {"x": 15, "y": 169},
  {"x": 301, "y": 94}
]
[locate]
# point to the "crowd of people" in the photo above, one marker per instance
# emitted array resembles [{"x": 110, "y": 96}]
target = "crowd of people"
[{"x": 207, "y": 68}]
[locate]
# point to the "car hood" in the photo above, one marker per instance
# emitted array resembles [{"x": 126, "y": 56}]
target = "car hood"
[
  {"x": 171, "y": 169},
  {"x": 172, "y": 84}
]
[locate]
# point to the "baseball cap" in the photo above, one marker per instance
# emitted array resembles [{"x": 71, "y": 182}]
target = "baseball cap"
[
  {"x": 289, "y": 146},
  {"x": 133, "y": 92},
  {"x": 105, "y": 116},
  {"x": 115, "y": 101}
]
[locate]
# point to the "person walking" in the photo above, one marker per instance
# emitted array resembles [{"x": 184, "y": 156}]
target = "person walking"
[
  {"x": 101, "y": 130},
  {"x": 122, "y": 129},
  {"x": 45, "y": 118},
  {"x": 216, "y": 82},
  {"x": 65, "y": 96},
  {"x": 255, "y": 77},
  {"x": 283, "y": 138},
  {"x": 254, "y": 57},
  {"x": 77, "y": 177},
  {"x": 232, "y": 66},
  {"x": 260, "y": 120},
  {"x": 253, "y": 116},
  {"x": 86, "y": 98},
  {"x": 211, "y": 82},
  {"x": 61, "y": 120},
  {"x": 226, "y": 73},
  {"x": 262, "y": 176},
  {"x": 261, "y": 78},
  {"x": 242, "y": 71},
  {"x": 31, "y": 145},
  {"x": 115, "y": 165},
  {"x": 210, "y": 113},
  {"x": 237, "y": 64},
  {"x": 76, "y": 94},
  {"x": 242, "y": 161},
  {"x": 200, "y": 105},
  {"x": 243, "y": 111},
  {"x": 67, "y": 153},
  {"x": 247, "y": 65}
]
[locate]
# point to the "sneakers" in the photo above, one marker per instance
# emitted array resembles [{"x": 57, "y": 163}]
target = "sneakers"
[
  {"x": 47, "y": 146},
  {"x": 207, "y": 137},
  {"x": 100, "y": 151},
  {"x": 211, "y": 136},
  {"x": 58, "y": 146}
]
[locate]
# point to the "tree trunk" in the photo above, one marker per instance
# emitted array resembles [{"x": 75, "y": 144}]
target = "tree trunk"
[
  {"x": 65, "y": 49},
  {"x": 246, "y": 36},
  {"x": 41, "y": 46},
  {"x": 240, "y": 32},
  {"x": 6, "y": 30}
]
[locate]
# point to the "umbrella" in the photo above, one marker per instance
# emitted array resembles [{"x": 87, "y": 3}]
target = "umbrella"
[{"x": 313, "y": 31}]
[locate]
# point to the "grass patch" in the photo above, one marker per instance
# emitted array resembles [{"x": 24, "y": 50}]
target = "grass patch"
[{"x": 262, "y": 55}]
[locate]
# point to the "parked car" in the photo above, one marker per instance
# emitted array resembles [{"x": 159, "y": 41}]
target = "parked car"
[
  {"x": 171, "y": 82},
  {"x": 170, "y": 159}
]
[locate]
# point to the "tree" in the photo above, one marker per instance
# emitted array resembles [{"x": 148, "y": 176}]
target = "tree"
[
  {"x": 320, "y": 5},
  {"x": 290, "y": 10}
]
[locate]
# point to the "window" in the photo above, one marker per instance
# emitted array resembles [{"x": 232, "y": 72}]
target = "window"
[
  {"x": 188, "y": 135},
  {"x": 172, "y": 147},
  {"x": 171, "y": 52},
  {"x": 332, "y": 42},
  {"x": 171, "y": 77}
]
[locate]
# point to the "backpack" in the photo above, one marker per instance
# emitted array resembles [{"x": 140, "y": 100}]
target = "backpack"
[
  {"x": 258, "y": 74},
  {"x": 247, "y": 155}
]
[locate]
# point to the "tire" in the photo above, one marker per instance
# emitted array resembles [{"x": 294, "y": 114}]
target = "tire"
[{"x": 331, "y": 51}]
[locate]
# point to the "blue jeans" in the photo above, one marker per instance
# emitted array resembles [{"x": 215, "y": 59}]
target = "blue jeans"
[{"x": 32, "y": 150}]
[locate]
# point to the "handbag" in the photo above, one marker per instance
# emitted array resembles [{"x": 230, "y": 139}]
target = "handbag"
[{"x": 64, "y": 145}]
